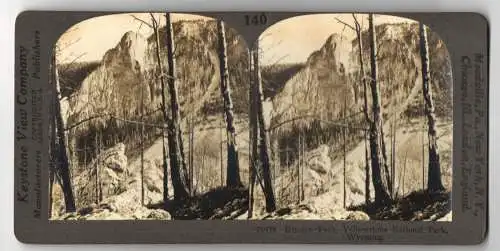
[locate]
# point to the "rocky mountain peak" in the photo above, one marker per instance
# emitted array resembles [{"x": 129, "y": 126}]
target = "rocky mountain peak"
[
  {"x": 129, "y": 52},
  {"x": 333, "y": 55}
]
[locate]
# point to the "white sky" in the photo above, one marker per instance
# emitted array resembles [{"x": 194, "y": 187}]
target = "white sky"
[{"x": 291, "y": 40}]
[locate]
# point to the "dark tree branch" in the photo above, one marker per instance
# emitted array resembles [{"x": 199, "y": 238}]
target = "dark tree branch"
[
  {"x": 345, "y": 24},
  {"x": 142, "y": 21},
  {"x": 85, "y": 120}
]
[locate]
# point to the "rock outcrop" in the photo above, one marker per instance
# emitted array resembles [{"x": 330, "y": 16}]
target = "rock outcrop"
[{"x": 111, "y": 165}]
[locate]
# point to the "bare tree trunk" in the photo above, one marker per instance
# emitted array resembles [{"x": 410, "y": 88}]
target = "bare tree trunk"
[
  {"x": 423, "y": 155},
  {"x": 166, "y": 118},
  {"x": 189, "y": 166},
  {"x": 233, "y": 166},
  {"x": 221, "y": 153},
  {"x": 365, "y": 107},
  {"x": 263, "y": 137},
  {"x": 253, "y": 132},
  {"x": 201, "y": 180},
  {"x": 344, "y": 153},
  {"x": 191, "y": 154},
  {"x": 303, "y": 166},
  {"x": 367, "y": 170},
  {"x": 362, "y": 68},
  {"x": 101, "y": 147},
  {"x": 434, "y": 170},
  {"x": 173, "y": 122},
  {"x": 62, "y": 156},
  {"x": 198, "y": 172},
  {"x": 251, "y": 177},
  {"x": 165, "y": 163},
  {"x": 298, "y": 171},
  {"x": 381, "y": 195},
  {"x": 385, "y": 160},
  {"x": 97, "y": 164},
  {"x": 177, "y": 164},
  {"x": 393, "y": 148},
  {"x": 142, "y": 146},
  {"x": 53, "y": 158},
  {"x": 304, "y": 163},
  {"x": 404, "y": 177},
  {"x": 391, "y": 156},
  {"x": 184, "y": 170},
  {"x": 287, "y": 167},
  {"x": 274, "y": 153}
]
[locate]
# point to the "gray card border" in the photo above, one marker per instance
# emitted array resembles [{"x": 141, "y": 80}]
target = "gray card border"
[{"x": 467, "y": 38}]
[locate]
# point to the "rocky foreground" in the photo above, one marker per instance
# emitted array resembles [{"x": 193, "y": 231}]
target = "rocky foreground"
[{"x": 295, "y": 212}]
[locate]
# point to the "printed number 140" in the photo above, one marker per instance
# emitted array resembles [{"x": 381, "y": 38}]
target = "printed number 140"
[{"x": 256, "y": 19}]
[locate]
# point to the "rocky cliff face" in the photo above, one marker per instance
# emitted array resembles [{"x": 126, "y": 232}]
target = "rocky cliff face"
[
  {"x": 126, "y": 84},
  {"x": 319, "y": 89},
  {"x": 316, "y": 95}
]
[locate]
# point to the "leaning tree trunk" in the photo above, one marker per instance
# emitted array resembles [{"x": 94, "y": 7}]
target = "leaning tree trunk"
[
  {"x": 174, "y": 148},
  {"x": 381, "y": 195},
  {"x": 62, "y": 162},
  {"x": 233, "y": 168},
  {"x": 434, "y": 171},
  {"x": 263, "y": 137}
]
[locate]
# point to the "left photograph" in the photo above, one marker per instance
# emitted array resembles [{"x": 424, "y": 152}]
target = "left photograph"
[{"x": 143, "y": 125}]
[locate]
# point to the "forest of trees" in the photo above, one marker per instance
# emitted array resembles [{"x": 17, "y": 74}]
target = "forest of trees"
[{"x": 177, "y": 165}]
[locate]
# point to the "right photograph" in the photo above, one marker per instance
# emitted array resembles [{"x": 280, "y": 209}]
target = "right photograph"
[{"x": 357, "y": 109}]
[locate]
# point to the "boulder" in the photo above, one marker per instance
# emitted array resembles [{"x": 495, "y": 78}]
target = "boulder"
[
  {"x": 357, "y": 215},
  {"x": 111, "y": 165},
  {"x": 151, "y": 214},
  {"x": 114, "y": 158},
  {"x": 319, "y": 160}
]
